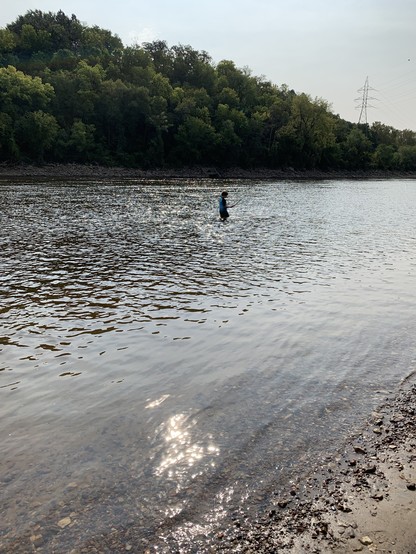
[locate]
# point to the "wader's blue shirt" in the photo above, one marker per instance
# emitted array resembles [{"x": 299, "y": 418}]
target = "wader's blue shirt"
[{"x": 223, "y": 207}]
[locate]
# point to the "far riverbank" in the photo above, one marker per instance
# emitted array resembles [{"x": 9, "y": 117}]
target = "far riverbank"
[{"x": 65, "y": 171}]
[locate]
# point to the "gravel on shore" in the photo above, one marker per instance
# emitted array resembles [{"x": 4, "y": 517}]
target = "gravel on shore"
[{"x": 363, "y": 499}]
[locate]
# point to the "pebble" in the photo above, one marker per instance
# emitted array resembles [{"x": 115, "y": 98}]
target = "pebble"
[
  {"x": 36, "y": 540},
  {"x": 64, "y": 522},
  {"x": 72, "y": 485},
  {"x": 366, "y": 541}
]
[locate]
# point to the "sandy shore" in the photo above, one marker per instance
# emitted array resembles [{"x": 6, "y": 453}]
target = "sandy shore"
[{"x": 61, "y": 171}]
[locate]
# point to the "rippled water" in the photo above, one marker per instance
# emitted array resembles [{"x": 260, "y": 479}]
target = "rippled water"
[{"x": 160, "y": 368}]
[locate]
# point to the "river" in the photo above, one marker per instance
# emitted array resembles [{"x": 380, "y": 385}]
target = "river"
[{"x": 161, "y": 369}]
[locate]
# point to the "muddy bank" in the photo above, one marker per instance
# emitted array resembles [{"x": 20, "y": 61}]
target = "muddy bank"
[{"x": 69, "y": 171}]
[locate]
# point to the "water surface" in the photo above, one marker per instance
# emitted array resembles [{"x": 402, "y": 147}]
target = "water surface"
[{"x": 161, "y": 369}]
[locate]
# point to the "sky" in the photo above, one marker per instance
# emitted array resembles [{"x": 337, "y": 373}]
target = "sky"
[{"x": 324, "y": 48}]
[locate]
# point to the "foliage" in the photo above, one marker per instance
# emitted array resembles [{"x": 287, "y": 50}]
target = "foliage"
[
  {"x": 36, "y": 132},
  {"x": 73, "y": 93}
]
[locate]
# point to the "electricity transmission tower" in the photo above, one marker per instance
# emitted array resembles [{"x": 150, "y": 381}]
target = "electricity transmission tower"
[{"x": 363, "y": 99}]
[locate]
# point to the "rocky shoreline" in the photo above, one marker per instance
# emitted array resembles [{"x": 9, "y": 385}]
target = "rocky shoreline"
[
  {"x": 77, "y": 171},
  {"x": 363, "y": 499}
]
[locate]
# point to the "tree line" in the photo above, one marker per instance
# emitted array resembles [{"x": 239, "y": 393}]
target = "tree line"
[{"x": 74, "y": 93}]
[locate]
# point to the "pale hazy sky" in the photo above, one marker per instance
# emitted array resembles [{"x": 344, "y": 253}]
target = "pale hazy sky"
[{"x": 325, "y": 48}]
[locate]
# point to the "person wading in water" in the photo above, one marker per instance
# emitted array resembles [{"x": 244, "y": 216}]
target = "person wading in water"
[{"x": 223, "y": 206}]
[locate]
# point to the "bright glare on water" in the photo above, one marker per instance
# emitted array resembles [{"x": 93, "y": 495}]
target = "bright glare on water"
[{"x": 161, "y": 369}]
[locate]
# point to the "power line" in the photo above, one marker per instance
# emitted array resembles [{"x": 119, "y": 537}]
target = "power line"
[
  {"x": 391, "y": 107},
  {"x": 396, "y": 96},
  {"x": 363, "y": 99}
]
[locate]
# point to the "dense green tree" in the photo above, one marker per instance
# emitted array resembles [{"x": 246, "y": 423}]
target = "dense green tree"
[
  {"x": 240, "y": 80},
  {"x": 307, "y": 135},
  {"x": 190, "y": 101},
  {"x": 63, "y": 59},
  {"x": 81, "y": 141},
  {"x": 109, "y": 116},
  {"x": 228, "y": 97},
  {"x": 134, "y": 66},
  {"x": 357, "y": 150},
  {"x": 20, "y": 92},
  {"x": 52, "y": 31},
  {"x": 65, "y": 101},
  {"x": 89, "y": 80},
  {"x": 384, "y": 156},
  {"x": 406, "y": 157},
  {"x": 8, "y": 146},
  {"x": 228, "y": 145},
  {"x": 161, "y": 56},
  {"x": 192, "y": 68},
  {"x": 34, "y": 40},
  {"x": 99, "y": 46},
  {"x": 406, "y": 138},
  {"x": 8, "y": 41},
  {"x": 278, "y": 116},
  {"x": 195, "y": 142},
  {"x": 36, "y": 133},
  {"x": 381, "y": 134}
]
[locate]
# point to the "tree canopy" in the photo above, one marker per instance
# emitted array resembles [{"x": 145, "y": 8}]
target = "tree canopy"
[{"x": 74, "y": 93}]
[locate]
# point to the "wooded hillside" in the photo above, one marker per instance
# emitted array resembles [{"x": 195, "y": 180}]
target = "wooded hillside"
[{"x": 73, "y": 93}]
